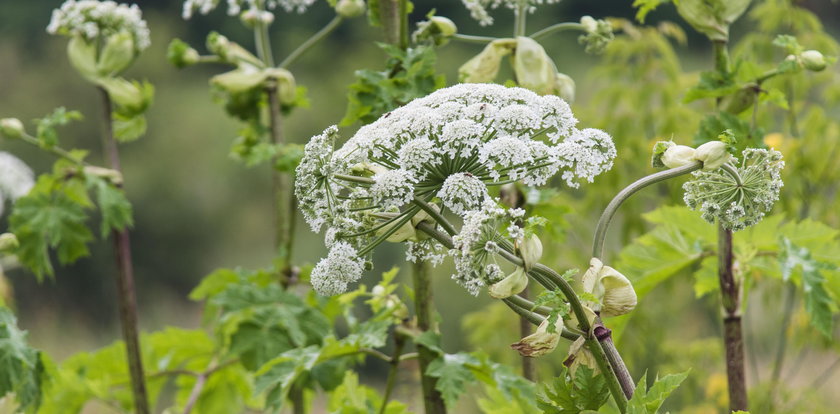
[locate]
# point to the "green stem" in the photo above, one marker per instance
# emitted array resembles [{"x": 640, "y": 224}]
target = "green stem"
[
  {"x": 536, "y": 318},
  {"x": 559, "y": 27},
  {"x": 126, "y": 296},
  {"x": 332, "y": 25},
  {"x": 263, "y": 43},
  {"x": 399, "y": 343},
  {"x": 623, "y": 195},
  {"x": 733, "y": 172},
  {"x": 354, "y": 179},
  {"x": 57, "y": 151},
  {"x": 531, "y": 306},
  {"x": 434, "y": 214},
  {"x": 521, "y": 16},
  {"x": 612, "y": 381},
  {"x": 432, "y": 399},
  {"x": 473, "y": 39}
]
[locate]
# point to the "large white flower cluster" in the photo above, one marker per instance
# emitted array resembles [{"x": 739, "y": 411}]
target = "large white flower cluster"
[
  {"x": 479, "y": 8},
  {"x": 448, "y": 149},
  {"x": 91, "y": 19},
  {"x": 234, "y": 7}
]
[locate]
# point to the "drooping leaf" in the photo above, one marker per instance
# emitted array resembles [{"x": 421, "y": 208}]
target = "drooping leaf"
[
  {"x": 115, "y": 208},
  {"x": 21, "y": 369},
  {"x": 818, "y": 302},
  {"x": 453, "y": 374}
]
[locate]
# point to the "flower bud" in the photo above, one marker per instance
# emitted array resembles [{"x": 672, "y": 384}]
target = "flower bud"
[
  {"x": 511, "y": 285},
  {"x": 713, "y": 154},
  {"x": 437, "y": 30},
  {"x": 530, "y": 250},
  {"x": 590, "y": 277},
  {"x": 11, "y": 127},
  {"x": 82, "y": 55},
  {"x": 378, "y": 290},
  {"x": 231, "y": 52},
  {"x": 126, "y": 94},
  {"x": 678, "y": 155},
  {"x": 181, "y": 54},
  {"x": 741, "y": 100},
  {"x": 240, "y": 80},
  {"x": 484, "y": 66},
  {"x": 533, "y": 67},
  {"x": 619, "y": 296},
  {"x": 350, "y": 8},
  {"x": 813, "y": 60},
  {"x": 8, "y": 241},
  {"x": 564, "y": 87},
  {"x": 116, "y": 55},
  {"x": 540, "y": 342},
  {"x": 252, "y": 17},
  {"x": 589, "y": 24}
]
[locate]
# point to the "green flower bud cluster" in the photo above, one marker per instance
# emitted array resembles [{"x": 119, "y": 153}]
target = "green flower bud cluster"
[
  {"x": 737, "y": 197},
  {"x": 599, "y": 33},
  {"x": 437, "y": 30}
]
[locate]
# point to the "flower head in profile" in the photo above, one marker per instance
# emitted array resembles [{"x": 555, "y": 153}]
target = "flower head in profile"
[
  {"x": 479, "y": 9},
  {"x": 737, "y": 197},
  {"x": 258, "y": 9},
  {"x": 92, "y": 19},
  {"x": 447, "y": 151}
]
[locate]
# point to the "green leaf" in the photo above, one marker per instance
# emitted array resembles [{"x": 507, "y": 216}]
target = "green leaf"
[
  {"x": 115, "y": 208},
  {"x": 408, "y": 75},
  {"x": 352, "y": 398},
  {"x": 648, "y": 400},
  {"x": 586, "y": 391},
  {"x": 21, "y": 369},
  {"x": 49, "y": 218},
  {"x": 818, "y": 302},
  {"x": 276, "y": 377},
  {"x": 288, "y": 157},
  {"x": 46, "y": 126},
  {"x": 453, "y": 374},
  {"x": 128, "y": 128},
  {"x": 647, "y": 6}
]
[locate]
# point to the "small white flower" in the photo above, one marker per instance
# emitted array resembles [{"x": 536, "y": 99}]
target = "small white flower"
[
  {"x": 462, "y": 192},
  {"x": 393, "y": 188},
  {"x": 92, "y": 18},
  {"x": 333, "y": 273}
]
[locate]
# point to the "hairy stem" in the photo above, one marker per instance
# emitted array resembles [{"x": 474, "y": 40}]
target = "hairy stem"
[
  {"x": 332, "y": 25},
  {"x": 732, "y": 330},
  {"x": 126, "y": 296},
  {"x": 432, "y": 399},
  {"x": 623, "y": 195}
]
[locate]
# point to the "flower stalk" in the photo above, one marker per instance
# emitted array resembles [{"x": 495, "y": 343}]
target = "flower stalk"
[{"x": 126, "y": 296}]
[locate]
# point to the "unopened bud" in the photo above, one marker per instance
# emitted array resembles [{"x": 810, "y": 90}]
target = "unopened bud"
[
  {"x": 589, "y": 24},
  {"x": 677, "y": 156},
  {"x": 181, "y": 54},
  {"x": 437, "y": 30},
  {"x": 713, "y": 154},
  {"x": 252, "y": 17},
  {"x": 11, "y": 127},
  {"x": 540, "y": 342},
  {"x": 350, "y": 8},
  {"x": 82, "y": 55},
  {"x": 533, "y": 67},
  {"x": 484, "y": 66},
  {"x": 378, "y": 290},
  {"x": 116, "y": 55},
  {"x": 619, "y": 295},
  {"x": 530, "y": 250},
  {"x": 8, "y": 241},
  {"x": 813, "y": 60},
  {"x": 511, "y": 285},
  {"x": 564, "y": 87}
]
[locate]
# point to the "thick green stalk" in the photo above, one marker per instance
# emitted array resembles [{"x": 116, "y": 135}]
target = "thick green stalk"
[
  {"x": 623, "y": 195},
  {"x": 473, "y": 39},
  {"x": 432, "y": 399},
  {"x": 126, "y": 296},
  {"x": 399, "y": 344}
]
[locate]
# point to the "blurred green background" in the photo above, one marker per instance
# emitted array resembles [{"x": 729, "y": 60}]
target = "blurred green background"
[{"x": 196, "y": 209}]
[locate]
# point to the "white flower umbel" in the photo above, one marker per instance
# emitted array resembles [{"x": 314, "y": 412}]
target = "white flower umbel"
[
  {"x": 93, "y": 19},
  {"x": 737, "y": 197},
  {"x": 16, "y": 178},
  {"x": 445, "y": 151},
  {"x": 341, "y": 266},
  {"x": 234, "y": 7},
  {"x": 479, "y": 8}
]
